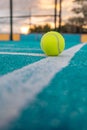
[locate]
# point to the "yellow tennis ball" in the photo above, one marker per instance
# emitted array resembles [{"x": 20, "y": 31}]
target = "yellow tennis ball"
[{"x": 52, "y": 43}]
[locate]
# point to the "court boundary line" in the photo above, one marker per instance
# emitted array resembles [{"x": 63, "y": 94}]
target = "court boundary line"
[
  {"x": 27, "y": 82},
  {"x": 24, "y": 54}
]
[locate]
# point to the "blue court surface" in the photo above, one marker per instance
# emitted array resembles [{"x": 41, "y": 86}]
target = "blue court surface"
[{"x": 39, "y": 92}]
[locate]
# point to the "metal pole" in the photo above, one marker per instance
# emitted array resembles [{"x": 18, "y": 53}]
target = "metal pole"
[
  {"x": 30, "y": 17},
  {"x": 60, "y": 13},
  {"x": 55, "y": 14},
  {"x": 11, "y": 20}
]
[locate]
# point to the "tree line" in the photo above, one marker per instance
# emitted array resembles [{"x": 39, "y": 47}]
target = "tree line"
[{"x": 76, "y": 24}]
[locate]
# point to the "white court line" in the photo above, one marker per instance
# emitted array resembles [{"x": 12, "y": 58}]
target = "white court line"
[
  {"x": 21, "y": 86},
  {"x": 24, "y": 54},
  {"x": 10, "y": 48}
]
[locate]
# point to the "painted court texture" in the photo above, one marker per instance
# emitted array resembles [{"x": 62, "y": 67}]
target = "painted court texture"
[{"x": 39, "y": 92}]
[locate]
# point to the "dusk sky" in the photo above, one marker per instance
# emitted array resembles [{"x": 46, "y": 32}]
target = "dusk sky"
[{"x": 24, "y": 7}]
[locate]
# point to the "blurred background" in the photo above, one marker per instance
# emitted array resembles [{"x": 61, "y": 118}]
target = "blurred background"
[{"x": 38, "y": 16}]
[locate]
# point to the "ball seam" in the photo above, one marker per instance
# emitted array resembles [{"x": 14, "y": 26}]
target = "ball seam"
[{"x": 57, "y": 42}]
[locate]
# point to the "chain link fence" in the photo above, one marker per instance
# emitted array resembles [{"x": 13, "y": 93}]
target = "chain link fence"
[
  {"x": 26, "y": 14},
  {"x": 30, "y": 13}
]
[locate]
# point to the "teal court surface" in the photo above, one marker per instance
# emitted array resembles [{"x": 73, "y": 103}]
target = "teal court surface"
[{"x": 39, "y": 92}]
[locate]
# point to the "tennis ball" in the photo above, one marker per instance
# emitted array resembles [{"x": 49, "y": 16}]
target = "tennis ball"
[{"x": 52, "y": 43}]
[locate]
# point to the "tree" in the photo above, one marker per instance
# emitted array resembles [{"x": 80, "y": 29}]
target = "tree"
[
  {"x": 82, "y": 8},
  {"x": 41, "y": 29},
  {"x": 77, "y": 22},
  {"x": 46, "y": 28}
]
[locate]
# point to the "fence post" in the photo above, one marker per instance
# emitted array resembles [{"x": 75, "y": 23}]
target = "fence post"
[
  {"x": 55, "y": 14},
  {"x": 11, "y": 20}
]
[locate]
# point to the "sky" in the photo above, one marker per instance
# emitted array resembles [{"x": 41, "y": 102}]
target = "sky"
[{"x": 33, "y": 7}]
